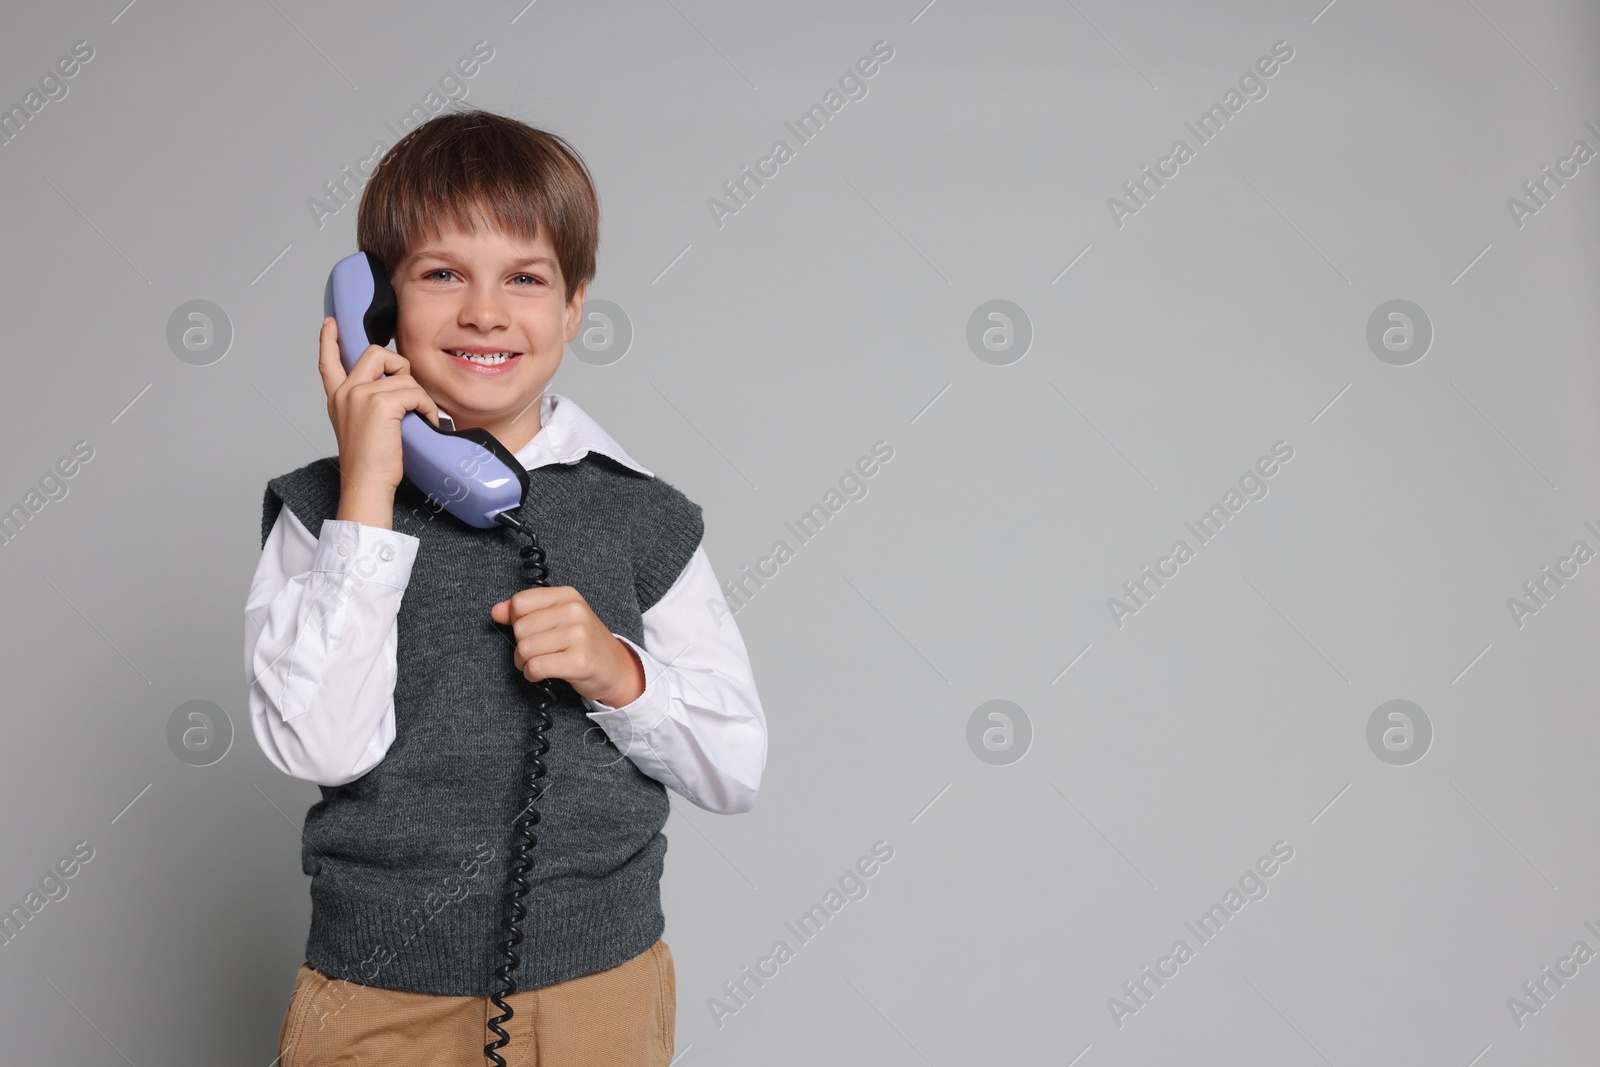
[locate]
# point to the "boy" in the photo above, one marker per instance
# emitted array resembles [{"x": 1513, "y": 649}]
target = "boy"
[{"x": 390, "y": 646}]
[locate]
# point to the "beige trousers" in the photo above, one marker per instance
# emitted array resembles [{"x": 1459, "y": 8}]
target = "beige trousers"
[{"x": 622, "y": 1017}]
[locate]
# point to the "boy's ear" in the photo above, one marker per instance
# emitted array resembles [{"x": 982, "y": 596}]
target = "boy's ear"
[{"x": 575, "y": 310}]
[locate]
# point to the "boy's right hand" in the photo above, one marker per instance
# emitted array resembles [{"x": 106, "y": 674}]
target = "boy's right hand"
[{"x": 365, "y": 406}]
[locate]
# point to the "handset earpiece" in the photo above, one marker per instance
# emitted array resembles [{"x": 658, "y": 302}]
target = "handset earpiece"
[{"x": 467, "y": 472}]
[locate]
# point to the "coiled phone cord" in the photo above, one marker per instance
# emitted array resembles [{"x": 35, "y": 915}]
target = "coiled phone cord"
[{"x": 523, "y": 837}]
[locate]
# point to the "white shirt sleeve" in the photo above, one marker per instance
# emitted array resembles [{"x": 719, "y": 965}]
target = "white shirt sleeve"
[
  {"x": 698, "y": 727},
  {"x": 320, "y": 655},
  {"x": 319, "y": 646}
]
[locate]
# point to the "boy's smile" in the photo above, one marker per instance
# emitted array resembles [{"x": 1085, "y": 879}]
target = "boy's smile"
[{"x": 483, "y": 321}]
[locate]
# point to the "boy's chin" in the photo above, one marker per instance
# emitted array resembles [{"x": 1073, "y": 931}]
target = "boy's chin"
[{"x": 496, "y": 404}]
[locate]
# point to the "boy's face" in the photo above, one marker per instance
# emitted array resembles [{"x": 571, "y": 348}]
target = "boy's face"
[{"x": 485, "y": 292}]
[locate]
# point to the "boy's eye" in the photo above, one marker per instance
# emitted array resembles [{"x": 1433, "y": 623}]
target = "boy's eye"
[{"x": 433, "y": 274}]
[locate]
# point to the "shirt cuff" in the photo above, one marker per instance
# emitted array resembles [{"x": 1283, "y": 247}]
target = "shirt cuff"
[
  {"x": 367, "y": 553},
  {"x": 645, "y": 713}
]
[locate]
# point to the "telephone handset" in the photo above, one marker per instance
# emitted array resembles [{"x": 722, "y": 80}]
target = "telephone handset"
[
  {"x": 447, "y": 464},
  {"x": 478, "y": 480}
]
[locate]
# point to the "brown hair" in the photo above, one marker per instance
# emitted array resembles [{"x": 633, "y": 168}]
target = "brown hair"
[{"x": 460, "y": 166}]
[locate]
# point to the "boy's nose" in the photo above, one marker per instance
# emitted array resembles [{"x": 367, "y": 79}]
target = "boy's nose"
[{"x": 483, "y": 309}]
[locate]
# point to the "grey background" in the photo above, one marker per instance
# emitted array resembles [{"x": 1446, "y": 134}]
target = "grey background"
[{"x": 829, "y": 313}]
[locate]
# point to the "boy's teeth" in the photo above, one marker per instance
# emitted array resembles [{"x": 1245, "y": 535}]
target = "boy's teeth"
[{"x": 490, "y": 358}]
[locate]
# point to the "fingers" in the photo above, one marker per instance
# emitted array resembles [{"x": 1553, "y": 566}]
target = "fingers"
[
  {"x": 387, "y": 399},
  {"x": 328, "y": 364},
  {"x": 380, "y": 371},
  {"x": 536, "y": 673},
  {"x": 378, "y": 361},
  {"x": 557, "y": 651},
  {"x": 535, "y": 603},
  {"x": 552, "y": 625},
  {"x": 425, "y": 406}
]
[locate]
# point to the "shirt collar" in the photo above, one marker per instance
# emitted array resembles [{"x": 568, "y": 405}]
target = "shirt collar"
[{"x": 566, "y": 433}]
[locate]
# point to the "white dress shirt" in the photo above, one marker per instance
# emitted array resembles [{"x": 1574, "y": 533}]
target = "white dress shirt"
[{"x": 320, "y": 642}]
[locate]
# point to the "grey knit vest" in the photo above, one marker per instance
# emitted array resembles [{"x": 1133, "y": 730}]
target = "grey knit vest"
[{"x": 408, "y": 862}]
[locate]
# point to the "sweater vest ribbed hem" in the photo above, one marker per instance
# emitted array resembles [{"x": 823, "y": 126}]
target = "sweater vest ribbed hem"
[{"x": 373, "y": 941}]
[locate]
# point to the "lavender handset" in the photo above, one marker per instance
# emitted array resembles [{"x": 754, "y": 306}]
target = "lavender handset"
[{"x": 467, "y": 472}]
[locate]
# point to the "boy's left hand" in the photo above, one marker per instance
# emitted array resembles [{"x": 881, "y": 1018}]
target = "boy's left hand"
[{"x": 559, "y": 636}]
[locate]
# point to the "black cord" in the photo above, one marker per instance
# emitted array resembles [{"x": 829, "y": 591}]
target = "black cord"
[{"x": 523, "y": 837}]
